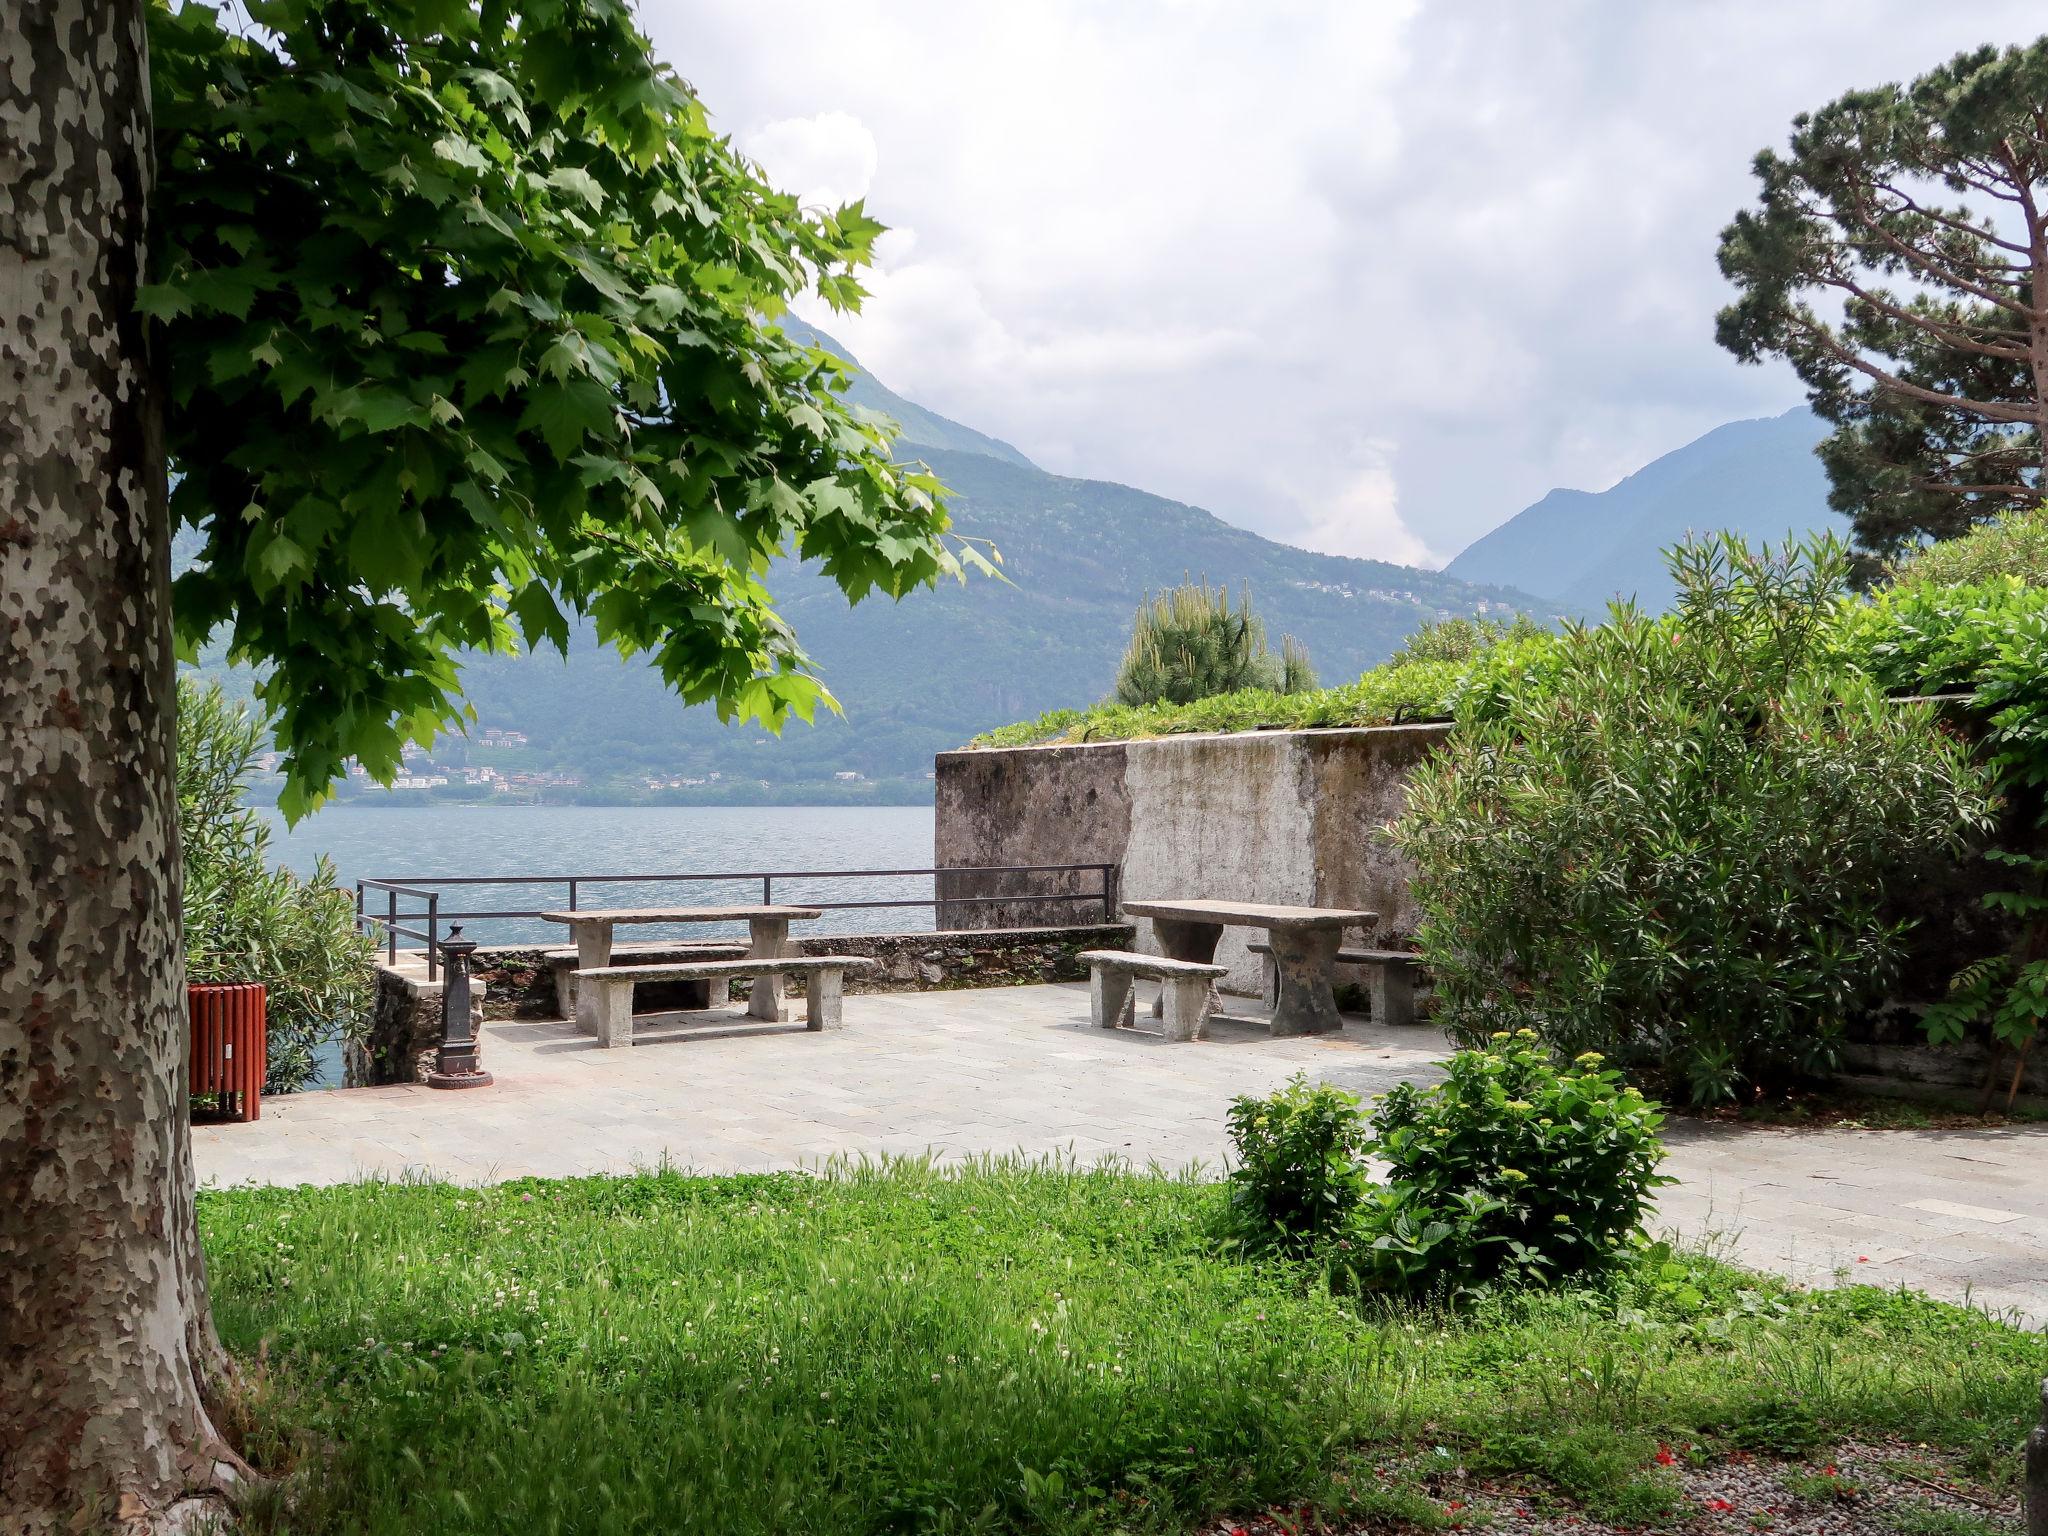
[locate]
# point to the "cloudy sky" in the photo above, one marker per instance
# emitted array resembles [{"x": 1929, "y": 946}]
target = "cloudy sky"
[{"x": 1363, "y": 275}]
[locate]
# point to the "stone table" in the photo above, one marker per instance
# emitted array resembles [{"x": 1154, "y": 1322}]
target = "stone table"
[
  {"x": 591, "y": 927},
  {"x": 1305, "y": 941}
]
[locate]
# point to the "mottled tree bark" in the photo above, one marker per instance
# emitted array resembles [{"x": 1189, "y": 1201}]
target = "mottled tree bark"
[{"x": 107, "y": 1350}]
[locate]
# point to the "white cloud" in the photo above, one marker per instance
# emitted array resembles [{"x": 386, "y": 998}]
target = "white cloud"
[
  {"x": 1360, "y": 515},
  {"x": 827, "y": 159},
  {"x": 1216, "y": 249}
]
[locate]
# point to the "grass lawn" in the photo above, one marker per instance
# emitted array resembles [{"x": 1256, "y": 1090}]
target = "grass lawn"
[{"x": 1008, "y": 1348}]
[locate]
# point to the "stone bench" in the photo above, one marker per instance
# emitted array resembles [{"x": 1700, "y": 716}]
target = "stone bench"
[
  {"x": 693, "y": 993},
  {"x": 1184, "y": 990},
  {"x": 1389, "y": 979},
  {"x": 604, "y": 994}
]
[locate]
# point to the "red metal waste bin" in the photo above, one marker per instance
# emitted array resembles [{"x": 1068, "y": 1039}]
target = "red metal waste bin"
[{"x": 228, "y": 1046}]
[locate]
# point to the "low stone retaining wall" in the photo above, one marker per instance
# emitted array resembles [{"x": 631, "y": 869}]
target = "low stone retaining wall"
[{"x": 405, "y": 1028}]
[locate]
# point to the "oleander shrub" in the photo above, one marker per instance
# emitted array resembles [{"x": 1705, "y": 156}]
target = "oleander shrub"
[
  {"x": 1189, "y": 643},
  {"x": 248, "y": 920},
  {"x": 1671, "y": 840},
  {"x": 1299, "y": 1172},
  {"x": 1510, "y": 1169}
]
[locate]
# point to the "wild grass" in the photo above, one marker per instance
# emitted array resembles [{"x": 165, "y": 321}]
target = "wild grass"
[{"x": 1004, "y": 1347}]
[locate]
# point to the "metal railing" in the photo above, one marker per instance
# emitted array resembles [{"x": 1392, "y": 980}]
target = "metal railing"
[{"x": 395, "y": 922}]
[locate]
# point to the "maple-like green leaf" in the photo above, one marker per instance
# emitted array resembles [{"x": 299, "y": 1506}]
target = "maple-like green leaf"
[{"x": 475, "y": 348}]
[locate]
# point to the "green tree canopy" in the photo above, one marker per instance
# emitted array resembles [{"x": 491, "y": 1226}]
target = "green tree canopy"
[
  {"x": 468, "y": 321},
  {"x": 1897, "y": 257}
]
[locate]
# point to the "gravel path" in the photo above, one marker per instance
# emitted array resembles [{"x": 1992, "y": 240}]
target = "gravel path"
[{"x": 1863, "y": 1489}]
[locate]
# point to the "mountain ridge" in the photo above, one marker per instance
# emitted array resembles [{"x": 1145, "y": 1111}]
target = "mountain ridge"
[{"x": 1757, "y": 477}]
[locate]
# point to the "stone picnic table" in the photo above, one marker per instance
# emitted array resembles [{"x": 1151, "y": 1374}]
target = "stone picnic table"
[
  {"x": 1305, "y": 942},
  {"x": 591, "y": 927}
]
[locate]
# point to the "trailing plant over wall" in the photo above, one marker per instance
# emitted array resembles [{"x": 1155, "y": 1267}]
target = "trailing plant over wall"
[
  {"x": 2015, "y": 544},
  {"x": 245, "y": 920},
  {"x": 1991, "y": 638},
  {"x": 1189, "y": 644},
  {"x": 1671, "y": 842}
]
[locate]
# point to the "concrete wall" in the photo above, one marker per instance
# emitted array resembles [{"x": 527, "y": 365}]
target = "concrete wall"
[{"x": 1275, "y": 816}]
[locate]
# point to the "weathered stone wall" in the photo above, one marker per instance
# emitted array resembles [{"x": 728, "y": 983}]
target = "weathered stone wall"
[
  {"x": 522, "y": 981},
  {"x": 1276, "y": 816},
  {"x": 405, "y": 1028}
]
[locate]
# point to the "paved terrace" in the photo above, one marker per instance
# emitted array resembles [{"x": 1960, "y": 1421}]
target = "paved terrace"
[{"x": 1962, "y": 1214}]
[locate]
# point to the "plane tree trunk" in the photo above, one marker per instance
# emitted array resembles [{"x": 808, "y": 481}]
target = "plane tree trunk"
[{"x": 107, "y": 1349}]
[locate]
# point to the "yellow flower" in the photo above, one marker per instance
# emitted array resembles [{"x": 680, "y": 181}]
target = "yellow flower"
[
  {"x": 1588, "y": 1059},
  {"x": 1520, "y": 1104},
  {"x": 1516, "y": 1174}
]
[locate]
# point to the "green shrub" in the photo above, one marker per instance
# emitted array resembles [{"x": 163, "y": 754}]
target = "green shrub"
[
  {"x": 2014, "y": 544},
  {"x": 1300, "y": 1169},
  {"x": 1189, "y": 644},
  {"x": 1509, "y": 1169},
  {"x": 247, "y": 921},
  {"x": 1673, "y": 844},
  {"x": 1463, "y": 637}
]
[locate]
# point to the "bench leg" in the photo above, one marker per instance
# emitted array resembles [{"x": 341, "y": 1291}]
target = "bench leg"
[
  {"x": 1186, "y": 1014},
  {"x": 1187, "y": 941},
  {"x": 1109, "y": 997},
  {"x": 822, "y": 991},
  {"x": 764, "y": 1002},
  {"x": 718, "y": 992},
  {"x": 605, "y": 1009},
  {"x": 1392, "y": 990},
  {"x": 1269, "y": 979}
]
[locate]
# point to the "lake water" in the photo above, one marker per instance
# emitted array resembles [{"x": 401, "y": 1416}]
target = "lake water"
[
  {"x": 409, "y": 843},
  {"x": 414, "y": 843}
]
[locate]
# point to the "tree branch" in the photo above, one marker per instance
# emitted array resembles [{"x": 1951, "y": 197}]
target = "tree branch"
[
  {"x": 1942, "y": 488},
  {"x": 1947, "y": 221},
  {"x": 1938, "y": 272},
  {"x": 1949, "y": 335},
  {"x": 1849, "y": 357}
]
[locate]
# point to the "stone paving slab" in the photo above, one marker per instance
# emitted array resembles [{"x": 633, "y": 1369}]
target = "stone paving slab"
[{"x": 1961, "y": 1214}]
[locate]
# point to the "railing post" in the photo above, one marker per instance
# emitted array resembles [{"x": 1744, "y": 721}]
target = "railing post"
[
  {"x": 359, "y": 906},
  {"x": 767, "y": 890},
  {"x": 433, "y": 932},
  {"x": 1109, "y": 893},
  {"x": 391, "y": 931},
  {"x": 572, "y": 893}
]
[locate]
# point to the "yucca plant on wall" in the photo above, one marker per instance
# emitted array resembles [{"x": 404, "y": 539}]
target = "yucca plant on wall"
[
  {"x": 1673, "y": 845},
  {"x": 1188, "y": 643}
]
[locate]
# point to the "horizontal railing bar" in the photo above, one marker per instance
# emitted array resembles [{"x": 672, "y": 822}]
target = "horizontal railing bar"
[
  {"x": 405, "y": 889},
  {"x": 402, "y": 890},
  {"x": 411, "y": 933},
  {"x": 824, "y": 906}
]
